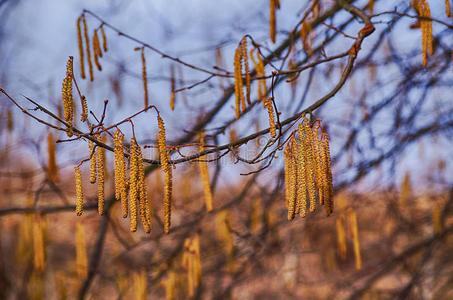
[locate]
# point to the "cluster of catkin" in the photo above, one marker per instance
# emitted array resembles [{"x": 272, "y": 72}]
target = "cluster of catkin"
[
  {"x": 307, "y": 170},
  {"x": 241, "y": 58},
  {"x": 97, "y": 50},
  {"x": 423, "y": 10},
  {"x": 192, "y": 263}
]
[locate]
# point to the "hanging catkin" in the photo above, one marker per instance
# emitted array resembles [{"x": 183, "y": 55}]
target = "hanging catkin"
[
  {"x": 259, "y": 68},
  {"x": 87, "y": 46},
  {"x": 172, "y": 87},
  {"x": 93, "y": 162},
  {"x": 192, "y": 262},
  {"x": 39, "y": 252},
  {"x": 238, "y": 85},
  {"x": 166, "y": 168},
  {"x": 423, "y": 10},
  {"x": 79, "y": 194},
  {"x": 341, "y": 237},
  {"x": 145, "y": 80},
  {"x": 52, "y": 168},
  {"x": 139, "y": 281},
  {"x": 355, "y": 239},
  {"x": 81, "y": 251},
  {"x": 67, "y": 94},
  {"x": 205, "y": 176},
  {"x": 104, "y": 39},
  {"x": 328, "y": 192},
  {"x": 120, "y": 173},
  {"x": 133, "y": 179},
  {"x": 145, "y": 212},
  {"x": 270, "y": 114},
  {"x": 101, "y": 177},
  {"x": 309, "y": 164},
  {"x": 301, "y": 173},
  {"x": 97, "y": 52},
  {"x": 291, "y": 183},
  {"x": 246, "y": 68},
  {"x": 272, "y": 20},
  {"x": 447, "y": 8},
  {"x": 80, "y": 43}
]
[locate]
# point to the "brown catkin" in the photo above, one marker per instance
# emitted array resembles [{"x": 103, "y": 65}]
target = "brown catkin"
[
  {"x": 79, "y": 193},
  {"x": 104, "y": 39},
  {"x": 120, "y": 173},
  {"x": 81, "y": 251},
  {"x": 97, "y": 52},
  {"x": 67, "y": 94},
  {"x": 133, "y": 180},
  {"x": 101, "y": 178},
  {"x": 80, "y": 43},
  {"x": 93, "y": 162},
  {"x": 205, "y": 176},
  {"x": 87, "y": 47},
  {"x": 246, "y": 68},
  {"x": 341, "y": 237},
  {"x": 166, "y": 168},
  {"x": 370, "y": 6},
  {"x": 10, "y": 120},
  {"x": 447, "y": 8},
  {"x": 302, "y": 172},
  {"x": 145, "y": 80},
  {"x": 328, "y": 193},
  {"x": 145, "y": 213},
  {"x": 39, "y": 252},
  {"x": 172, "y": 87},
  {"x": 355, "y": 239},
  {"x": 52, "y": 168},
  {"x": 272, "y": 20}
]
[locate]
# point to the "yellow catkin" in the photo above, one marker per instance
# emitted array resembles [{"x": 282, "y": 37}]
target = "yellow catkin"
[
  {"x": 270, "y": 113},
  {"x": 355, "y": 239},
  {"x": 166, "y": 168},
  {"x": 39, "y": 252},
  {"x": 93, "y": 162},
  {"x": 120, "y": 173},
  {"x": 133, "y": 179},
  {"x": 145, "y": 80},
  {"x": 328, "y": 193},
  {"x": 10, "y": 120},
  {"x": 145, "y": 213},
  {"x": 61, "y": 286},
  {"x": 447, "y": 8},
  {"x": 104, "y": 39},
  {"x": 80, "y": 43},
  {"x": 84, "y": 114},
  {"x": 205, "y": 176},
  {"x": 272, "y": 20},
  {"x": 246, "y": 69},
  {"x": 79, "y": 193},
  {"x": 225, "y": 236},
  {"x": 101, "y": 178},
  {"x": 140, "y": 285},
  {"x": 238, "y": 81},
  {"x": 192, "y": 262},
  {"x": 286, "y": 154},
  {"x": 52, "y": 168},
  {"x": 437, "y": 222},
  {"x": 305, "y": 37},
  {"x": 341, "y": 237},
  {"x": 301, "y": 169},
  {"x": 259, "y": 68},
  {"x": 67, "y": 93},
  {"x": 97, "y": 52},
  {"x": 291, "y": 180},
  {"x": 309, "y": 164},
  {"x": 320, "y": 178},
  {"x": 370, "y": 6},
  {"x": 255, "y": 218},
  {"x": 87, "y": 47},
  {"x": 426, "y": 27},
  {"x": 81, "y": 251}
]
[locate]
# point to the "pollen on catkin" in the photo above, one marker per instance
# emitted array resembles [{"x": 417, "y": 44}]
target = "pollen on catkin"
[
  {"x": 79, "y": 193},
  {"x": 101, "y": 178},
  {"x": 93, "y": 162},
  {"x": 67, "y": 94},
  {"x": 87, "y": 47},
  {"x": 302, "y": 173},
  {"x": 355, "y": 239},
  {"x": 80, "y": 43},
  {"x": 133, "y": 180},
  {"x": 309, "y": 164},
  {"x": 205, "y": 176},
  {"x": 84, "y": 114},
  {"x": 246, "y": 68},
  {"x": 52, "y": 168},
  {"x": 81, "y": 251},
  {"x": 145, "y": 80},
  {"x": 238, "y": 84},
  {"x": 291, "y": 183},
  {"x": 259, "y": 68},
  {"x": 328, "y": 193},
  {"x": 423, "y": 10},
  {"x": 120, "y": 173},
  {"x": 166, "y": 168}
]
